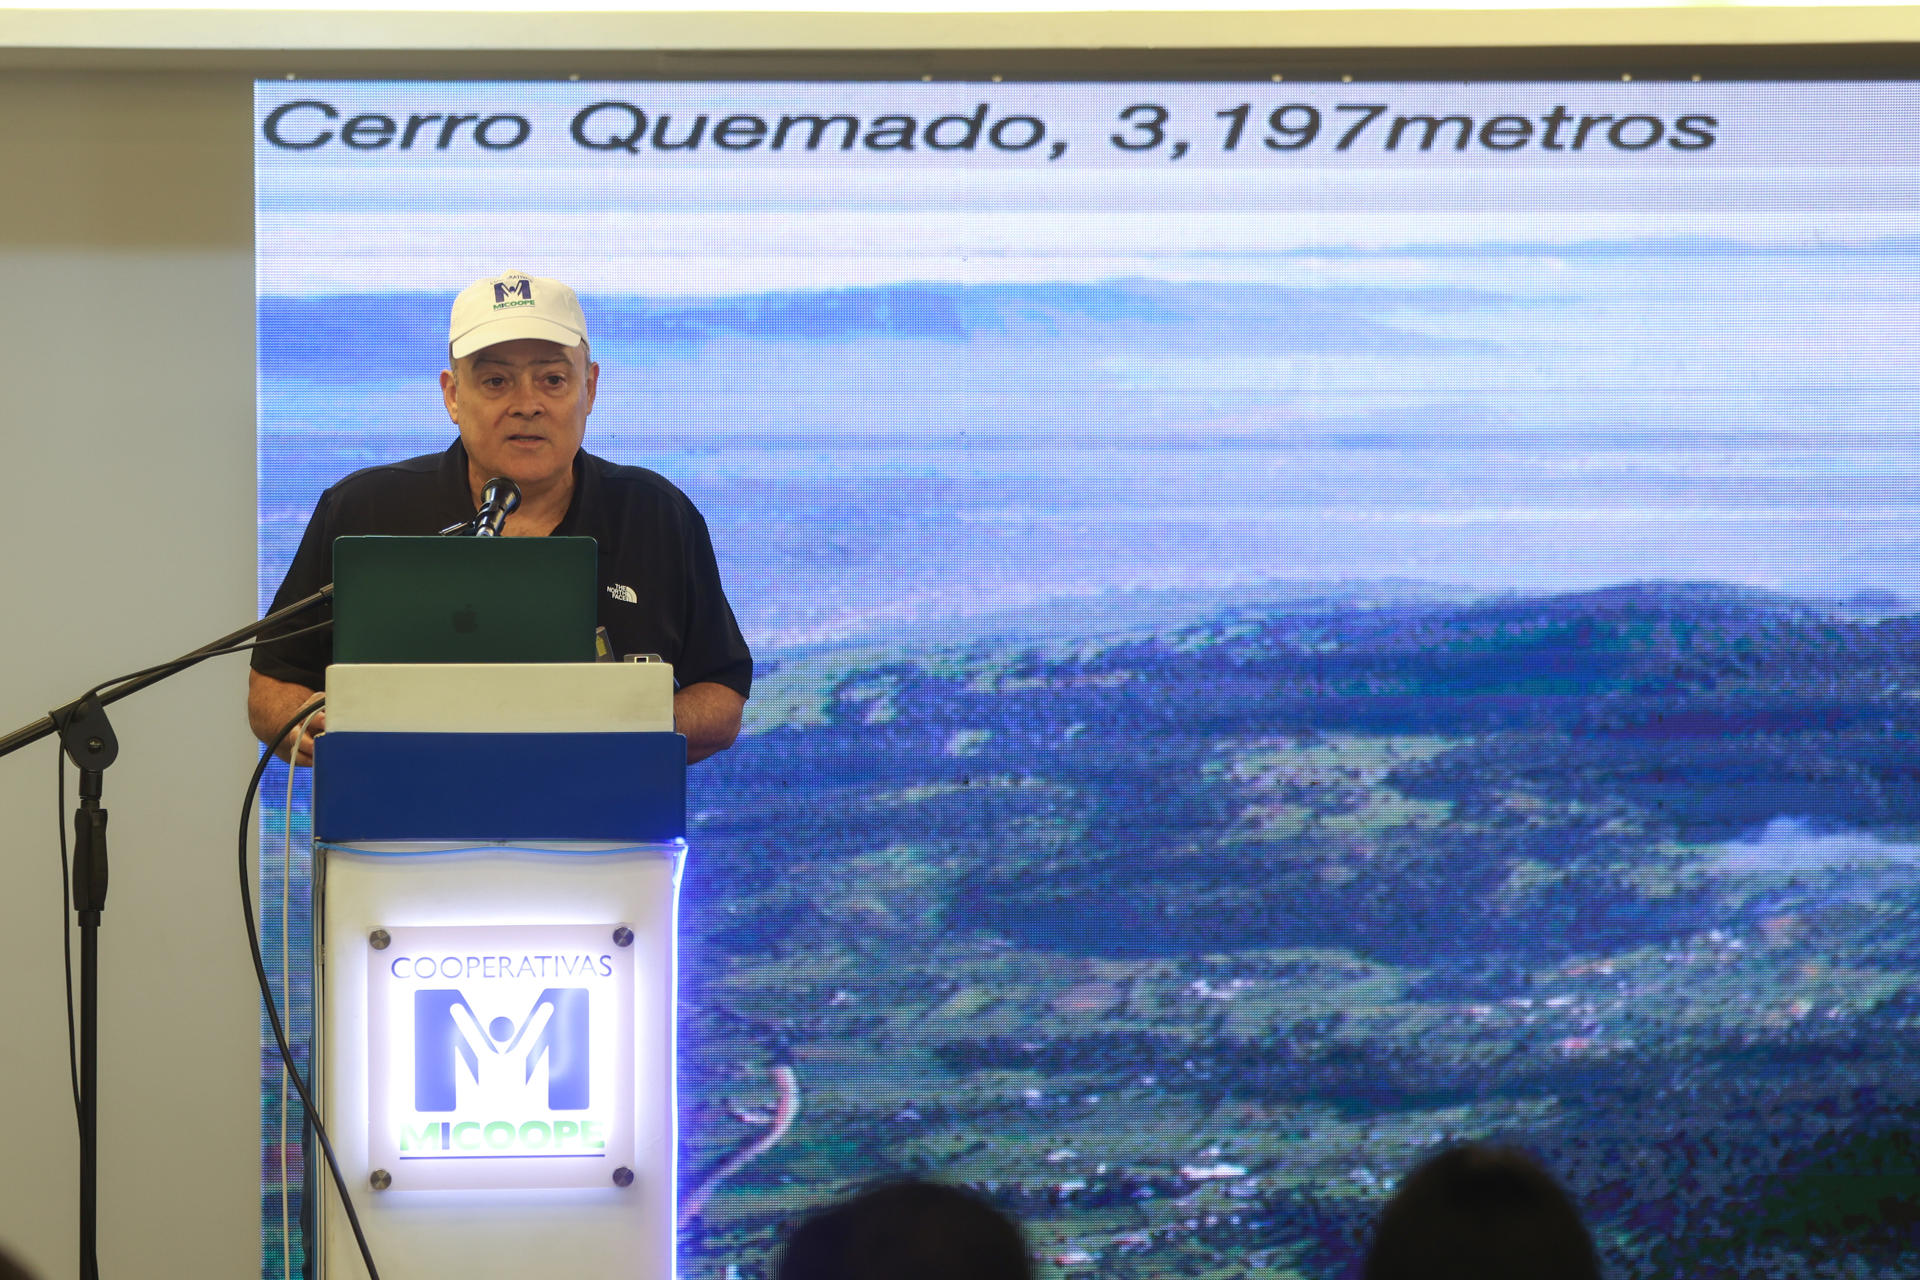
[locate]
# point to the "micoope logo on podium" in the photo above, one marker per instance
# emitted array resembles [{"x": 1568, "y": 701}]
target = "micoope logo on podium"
[
  {"x": 446, "y": 1033},
  {"x": 501, "y": 1062},
  {"x": 500, "y": 1056}
]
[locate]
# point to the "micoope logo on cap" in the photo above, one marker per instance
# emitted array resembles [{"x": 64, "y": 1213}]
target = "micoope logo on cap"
[{"x": 512, "y": 293}]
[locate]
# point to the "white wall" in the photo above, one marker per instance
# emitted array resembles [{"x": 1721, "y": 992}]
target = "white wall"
[{"x": 127, "y": 537}]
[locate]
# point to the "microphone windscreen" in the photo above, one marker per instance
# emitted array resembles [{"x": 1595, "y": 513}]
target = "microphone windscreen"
[{"x": 501, "y": 492}]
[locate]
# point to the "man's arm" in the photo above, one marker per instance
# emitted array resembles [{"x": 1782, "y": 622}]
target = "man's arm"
[
  {"x": 708, "y": 713},
  {"x": 271, "y": 703}
]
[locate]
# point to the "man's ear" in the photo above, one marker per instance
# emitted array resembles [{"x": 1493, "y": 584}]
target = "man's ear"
[{"x": 446, "y": 394}]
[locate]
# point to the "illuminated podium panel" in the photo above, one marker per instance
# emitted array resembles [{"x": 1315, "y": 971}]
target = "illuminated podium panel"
[{"x": 495, "y": 970}]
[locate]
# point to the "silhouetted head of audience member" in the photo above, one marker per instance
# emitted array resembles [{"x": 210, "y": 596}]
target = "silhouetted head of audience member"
[
  {"x": 906, "y": 1231},
  {"x": 11, "y": 1268},
  {"x": 1481, "y": 1213}
]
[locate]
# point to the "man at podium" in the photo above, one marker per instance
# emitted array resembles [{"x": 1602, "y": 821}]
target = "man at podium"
[{"x": 520, "y": 385}]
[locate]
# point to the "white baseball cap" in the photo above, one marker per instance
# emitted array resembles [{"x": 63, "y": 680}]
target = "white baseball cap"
[{"x": 514, "y": 305}]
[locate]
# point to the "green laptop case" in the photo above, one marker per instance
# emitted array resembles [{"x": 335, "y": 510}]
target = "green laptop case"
[{"x": 464, "y": 599}]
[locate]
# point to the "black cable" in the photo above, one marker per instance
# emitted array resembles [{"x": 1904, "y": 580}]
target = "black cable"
[
  {"x": 66, "y": 928},
  {"x": 266, "y": 989}
]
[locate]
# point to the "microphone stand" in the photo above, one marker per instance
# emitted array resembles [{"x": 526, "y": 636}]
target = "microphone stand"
[{"x": 88, "y": 740}]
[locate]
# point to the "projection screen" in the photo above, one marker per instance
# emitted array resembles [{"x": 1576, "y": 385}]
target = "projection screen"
[{"x": 1295, "y": 624}]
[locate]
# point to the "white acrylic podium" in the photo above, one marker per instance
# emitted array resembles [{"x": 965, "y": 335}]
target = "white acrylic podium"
[{"x": 496, "y": 873}]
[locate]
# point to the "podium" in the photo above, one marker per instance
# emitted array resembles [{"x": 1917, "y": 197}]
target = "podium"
[{"x": 497, "y": 855}]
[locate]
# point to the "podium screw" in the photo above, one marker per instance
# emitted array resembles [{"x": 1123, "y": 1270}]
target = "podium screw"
[
  {"x": 623, "y": 937},
  {"x": 623, "y": 1177},
  {"x": 380, "y": 1179},
  {"x": 380, "y": 939}
]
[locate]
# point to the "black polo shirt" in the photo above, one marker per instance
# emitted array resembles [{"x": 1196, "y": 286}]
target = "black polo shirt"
[{"x": 659, "y": 586}]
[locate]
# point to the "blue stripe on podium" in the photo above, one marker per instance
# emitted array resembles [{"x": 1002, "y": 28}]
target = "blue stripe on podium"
[{"x": 500, "y": 786}]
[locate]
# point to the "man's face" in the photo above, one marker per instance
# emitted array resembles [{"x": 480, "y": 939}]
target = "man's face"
[{"x": 522, "y": 408}]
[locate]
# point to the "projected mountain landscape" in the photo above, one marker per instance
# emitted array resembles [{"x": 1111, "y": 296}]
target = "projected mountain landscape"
[
  {"x": 1218, "y": 739},
  {"x": 1184, "y": 942}
]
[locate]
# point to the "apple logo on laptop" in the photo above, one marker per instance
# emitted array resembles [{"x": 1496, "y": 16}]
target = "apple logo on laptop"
[{"x": 466, "y": 621}]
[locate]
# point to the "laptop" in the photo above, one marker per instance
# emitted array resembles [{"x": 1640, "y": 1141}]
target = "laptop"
[{"x": 464, "y": 599}]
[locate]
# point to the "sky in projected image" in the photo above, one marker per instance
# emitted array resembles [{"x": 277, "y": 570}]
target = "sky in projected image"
[{"x": 1487, "y": 371}]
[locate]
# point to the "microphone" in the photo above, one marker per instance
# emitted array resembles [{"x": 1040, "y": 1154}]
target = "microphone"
[{"x": 499, "y": 498}]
